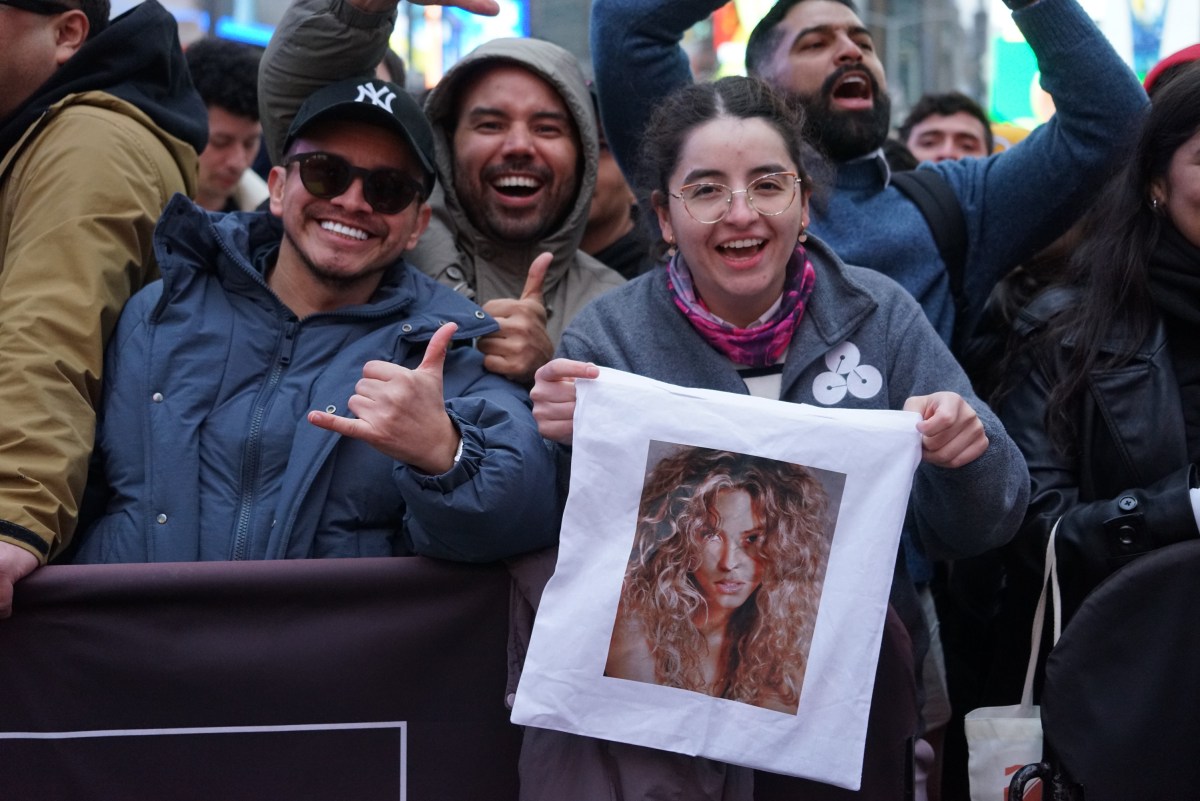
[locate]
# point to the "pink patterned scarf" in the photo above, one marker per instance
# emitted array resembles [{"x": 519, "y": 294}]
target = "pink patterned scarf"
[{"x": 760, "y": 345}]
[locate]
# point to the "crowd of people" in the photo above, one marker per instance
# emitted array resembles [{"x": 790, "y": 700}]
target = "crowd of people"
[{"x": 374, "y": 350}]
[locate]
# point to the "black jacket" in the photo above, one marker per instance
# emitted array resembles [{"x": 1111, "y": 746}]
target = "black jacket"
[{"x": 1123, "y": 493}]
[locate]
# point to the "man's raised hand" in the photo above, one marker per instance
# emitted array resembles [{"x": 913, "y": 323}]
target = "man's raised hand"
[
  {"x": 522, "y": 344},
  {"x": 402, "y": 412},
  {"x": 487, "y": 8}
]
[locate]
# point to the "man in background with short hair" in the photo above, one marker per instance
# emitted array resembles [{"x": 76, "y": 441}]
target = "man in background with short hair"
[
  {"x": 946, "y": 126},
  {"x": 614, "y": 234},
  {"x": 226, "y": 76}
]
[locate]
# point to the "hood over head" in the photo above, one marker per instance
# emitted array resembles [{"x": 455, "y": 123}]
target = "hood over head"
[{"x": 560, "y": 69}]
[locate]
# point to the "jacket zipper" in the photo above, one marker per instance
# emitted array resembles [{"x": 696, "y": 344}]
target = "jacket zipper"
[{"x": 252, "y": 455}]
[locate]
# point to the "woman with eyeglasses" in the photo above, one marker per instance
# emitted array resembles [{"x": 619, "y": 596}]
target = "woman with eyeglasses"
[{"x": 751, "y": 304}]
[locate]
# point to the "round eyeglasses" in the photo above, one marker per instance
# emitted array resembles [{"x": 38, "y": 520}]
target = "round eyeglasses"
[
  {"x": 326, "y": 176},
  {"x": 769, "y": 195}
]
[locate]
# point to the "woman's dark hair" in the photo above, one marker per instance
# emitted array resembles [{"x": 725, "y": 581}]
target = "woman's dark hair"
[
  {"x": 688, "y": 108},
  {"x": 1120, "y": 235}
]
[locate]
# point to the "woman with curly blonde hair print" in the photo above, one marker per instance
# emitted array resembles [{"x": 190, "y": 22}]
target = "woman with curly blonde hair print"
[{"x": 723, "y": 583}]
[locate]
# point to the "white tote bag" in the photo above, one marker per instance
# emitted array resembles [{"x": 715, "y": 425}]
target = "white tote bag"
[
  {"x": 814, "y": 604},
  {"x": 1003, "y": 739}
]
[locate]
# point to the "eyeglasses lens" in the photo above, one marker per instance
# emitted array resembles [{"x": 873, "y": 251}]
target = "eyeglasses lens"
[
  {"x": 708, "y": 203},
  {"x": 769, "y": 195},
  {"x": 388, "y": 191},
  {"x": 324, "y": 176},
  {"x": 772, "y": 194}
]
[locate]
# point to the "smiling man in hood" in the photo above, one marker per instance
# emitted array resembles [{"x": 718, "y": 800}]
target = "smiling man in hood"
[{"x": 517, "y": 154}]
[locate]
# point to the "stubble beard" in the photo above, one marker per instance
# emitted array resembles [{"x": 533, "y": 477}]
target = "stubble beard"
[
  {"x": 330, "y": 278},
  {"x": 503, "y": 225}
]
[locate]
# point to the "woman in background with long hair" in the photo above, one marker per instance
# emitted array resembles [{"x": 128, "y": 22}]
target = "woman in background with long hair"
[{"x": 1104, "y": 397}]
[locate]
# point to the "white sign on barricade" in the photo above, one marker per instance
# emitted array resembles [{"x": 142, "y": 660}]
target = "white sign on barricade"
[{"x": 723, "y": 576}]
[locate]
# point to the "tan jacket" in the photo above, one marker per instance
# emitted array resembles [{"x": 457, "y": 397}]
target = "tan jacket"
[{"x": 80, "y": 194}]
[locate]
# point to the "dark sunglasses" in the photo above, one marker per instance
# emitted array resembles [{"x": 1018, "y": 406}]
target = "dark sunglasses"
[
  {"x": 46, "y": 8},
  {"x": 326, "y": 176}
]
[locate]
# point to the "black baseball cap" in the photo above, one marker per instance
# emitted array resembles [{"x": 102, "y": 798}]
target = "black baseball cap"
[{"x": 376, "y": 102}]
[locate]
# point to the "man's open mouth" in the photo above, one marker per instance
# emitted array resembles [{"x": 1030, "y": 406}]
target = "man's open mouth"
[
  {"x": 852, "y": 86},
  {"x": 517, "y": 185}
]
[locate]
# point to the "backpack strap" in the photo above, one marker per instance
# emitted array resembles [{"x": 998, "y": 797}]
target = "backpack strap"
[{"x": 944, "y": 216}]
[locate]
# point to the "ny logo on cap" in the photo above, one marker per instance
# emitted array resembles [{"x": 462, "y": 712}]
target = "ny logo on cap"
[{"x": 381, "y": 97}]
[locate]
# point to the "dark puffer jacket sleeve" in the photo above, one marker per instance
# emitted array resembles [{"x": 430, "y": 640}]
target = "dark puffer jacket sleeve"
[{"x": 499, "y": 499}]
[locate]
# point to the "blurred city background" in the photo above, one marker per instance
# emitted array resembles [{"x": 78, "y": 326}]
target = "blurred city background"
[{"x": 926, "y": 45}]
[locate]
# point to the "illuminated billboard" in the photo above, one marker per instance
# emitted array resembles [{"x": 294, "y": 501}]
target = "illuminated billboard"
[{"x": 1141, "y": 31}]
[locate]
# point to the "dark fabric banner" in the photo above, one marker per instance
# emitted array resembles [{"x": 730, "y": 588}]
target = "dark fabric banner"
[
  {"x": 356, "y": 679},
  {"x": 321, "y": 680}
]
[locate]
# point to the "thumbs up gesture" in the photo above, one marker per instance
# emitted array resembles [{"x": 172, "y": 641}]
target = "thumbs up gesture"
[
  {"x": 521, "y": 345},
  {"x": 402, "y": 412}
]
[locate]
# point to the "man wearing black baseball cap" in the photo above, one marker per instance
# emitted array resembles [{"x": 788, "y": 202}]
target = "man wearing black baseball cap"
[{"x": 306, "y": 397}]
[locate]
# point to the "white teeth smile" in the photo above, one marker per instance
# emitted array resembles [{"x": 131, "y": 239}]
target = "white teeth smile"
[
  {"x": 344, "y": 230},
  {"x": 743, "y": 243},
  {"x": 517, "y": 180}
]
